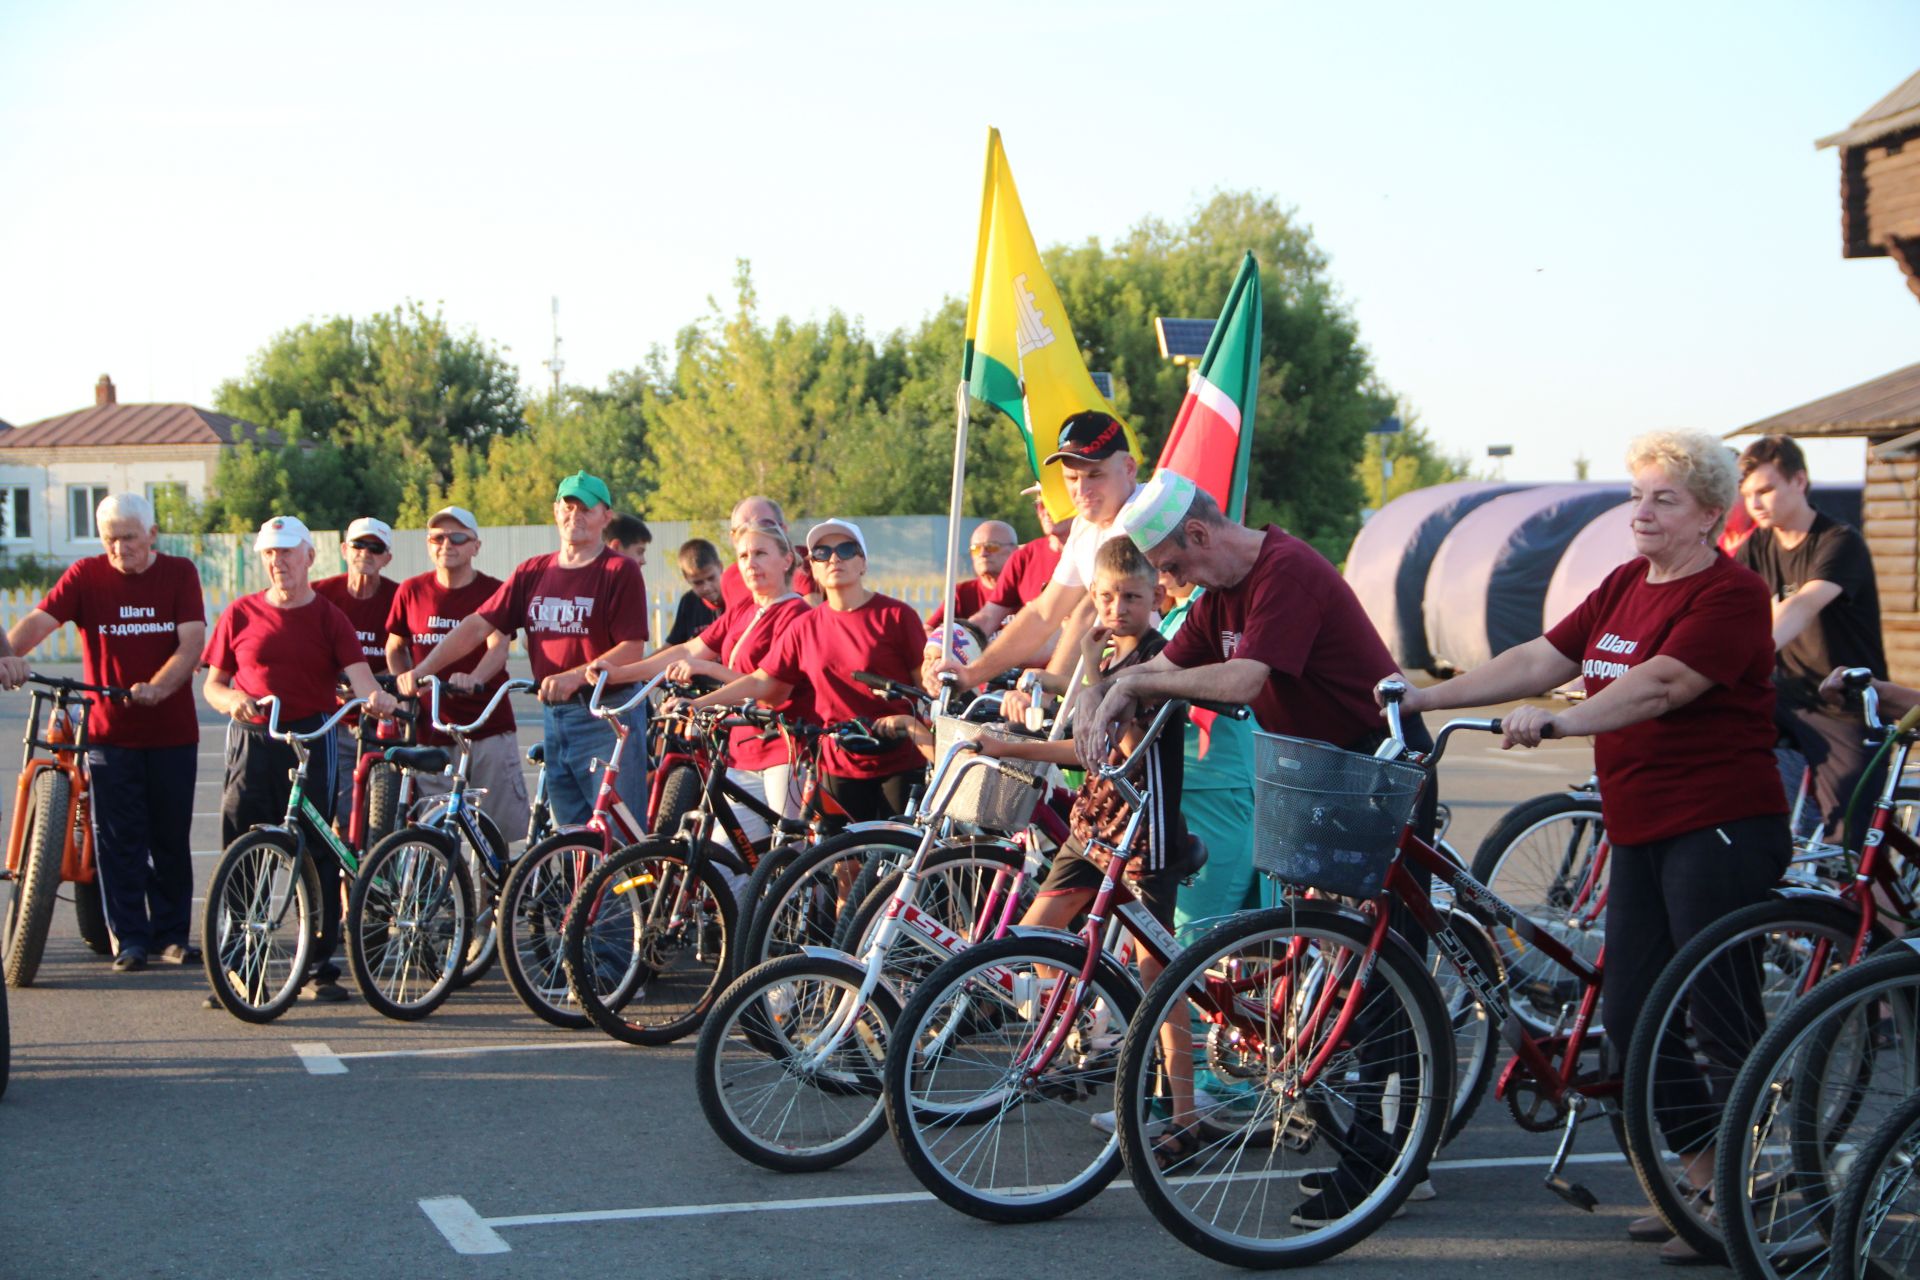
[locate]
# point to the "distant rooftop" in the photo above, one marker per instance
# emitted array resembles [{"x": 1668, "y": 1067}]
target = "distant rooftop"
[
  {"x": 108, "y": 422},
  {"x": 1882, "y": 406},
  {"x": 1898, "y": 110}
]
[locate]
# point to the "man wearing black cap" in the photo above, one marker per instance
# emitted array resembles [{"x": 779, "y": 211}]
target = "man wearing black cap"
[{"x": 1100, "y": 475}]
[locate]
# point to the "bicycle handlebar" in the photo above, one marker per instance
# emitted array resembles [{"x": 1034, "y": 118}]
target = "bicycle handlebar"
[
  {"x": 1233, "y": 710},
  {"x": 893, "y": 688},
  {"x": 640, "y": 694},
  {"x": 272, "y": 703},
  {"x": 493, "y": 705},
  {"x": 62, "y": 684}
]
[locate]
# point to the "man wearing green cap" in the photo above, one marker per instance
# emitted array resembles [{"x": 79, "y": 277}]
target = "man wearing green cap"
[{"x": 576, "y": 604}]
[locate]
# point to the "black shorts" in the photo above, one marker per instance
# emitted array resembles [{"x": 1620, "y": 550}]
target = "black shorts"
[{"x": 1074, "y": 872}]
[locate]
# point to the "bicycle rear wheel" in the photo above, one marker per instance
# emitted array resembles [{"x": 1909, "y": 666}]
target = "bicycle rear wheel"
[
  {"x": 956, "y": 903},
  {"x": 1359, "y": 1101},
  {"x": 408, "y": 923},
  {"x": 532, "y": 917},
  {"x": 1826, "y": 1072},
  {"x": 986, "y": 1119},
  {"x": 788, "y": 1068},
  {"x": 262, "y": 913},
  {"x": 1540, "y": 857},
  {"x": 483, "y": 942},
  {"x": 646, "y": 943},
  {"x": 36, "y": 884},
  {"x": 803, "y": 904},
  {"x": 1877, "y": 1224}
]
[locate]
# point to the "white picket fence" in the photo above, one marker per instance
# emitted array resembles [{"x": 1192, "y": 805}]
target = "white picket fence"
[{"x": 922, "y": 592}]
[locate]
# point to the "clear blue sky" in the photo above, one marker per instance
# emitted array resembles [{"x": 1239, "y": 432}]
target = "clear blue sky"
[{"x": 1557, "y": 225}]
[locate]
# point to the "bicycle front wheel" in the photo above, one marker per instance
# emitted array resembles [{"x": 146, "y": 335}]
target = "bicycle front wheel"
[
  {"x": 263, "y": 905},
  {"x": 1877, "y": 1226},
  {"x": 788, "y": 1064},
  {"x": 36, "y": 882},
  {"x": 532, "y": 917},
  {"x": 408, "y": 923},
  {"x": 1002, "y": 1069},
  {"x": 646, "y": 943},
  {"x": 962, "y": 898},
  {"x": 803, "y": 904},
  {"x": 1334, "y": 1061},
  {"x": 1541, "y": 858},
  {"x": 483, "y": 943}
]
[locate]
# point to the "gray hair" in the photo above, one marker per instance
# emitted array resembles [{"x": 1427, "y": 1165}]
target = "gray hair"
[
  {"x": 1694, "y": 460},
  {"x": 124, "y": 506}
]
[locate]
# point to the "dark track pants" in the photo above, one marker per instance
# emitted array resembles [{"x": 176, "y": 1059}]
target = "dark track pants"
[{"x": 142, "y": 817}]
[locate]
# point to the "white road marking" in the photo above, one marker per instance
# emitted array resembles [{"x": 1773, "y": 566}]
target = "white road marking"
[
  {"x": 335, "y": 1063},
  {"x": 468, "y": 1232}
]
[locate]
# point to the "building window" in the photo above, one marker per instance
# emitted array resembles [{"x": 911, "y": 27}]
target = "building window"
[
  {"x": 16, "y": 512},
  {"x": 82, "y": 500}
]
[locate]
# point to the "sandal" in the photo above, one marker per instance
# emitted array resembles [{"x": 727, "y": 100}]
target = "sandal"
[{"x": 1175, "y": 1147}]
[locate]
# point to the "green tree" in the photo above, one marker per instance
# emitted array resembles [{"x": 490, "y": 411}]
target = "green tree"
[{"x": 1417, "y": 462}]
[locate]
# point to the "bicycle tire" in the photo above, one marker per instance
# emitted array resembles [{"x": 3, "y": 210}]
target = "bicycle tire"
[
  {"x": 649, "y": 912},
  {"x": 408, "y": 920},
  {"x": 1215, "y": 1199},
  {"x": 772, "y": 1109},
  {"x": 255, "y": 978},
  {"x": 483, "y": 947},
  {"x": 1476, "y": 1040},
  {"x": 1871, "y": 1239},
  {"x": 532, "y": 917},
  {"x": 1537, "y": 857},
  {"x": 759, "y": 884},
  {"x": 952, "y": 892},
  {"x": 36, "y": 884},
  {"x": 802, "y": 906},
  {"x": 679, "y": 794},
  {"x": 1712, "y": 972},
  {"x": 383, "y": 803},
  {"x": 90, "y": 916},
  {"x": 1776, "y": 1189},
  {"x": 969, "y": 1123},
  {"x": 6, "y": 1042}
]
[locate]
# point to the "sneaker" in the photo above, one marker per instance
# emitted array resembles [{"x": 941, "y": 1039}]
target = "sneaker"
[
  {"x": 1338, "y": 1193},
  {"x": 176, "y": 953},
  {"x": 130, "y": 960},
  {"x": 323, "y": 991}
]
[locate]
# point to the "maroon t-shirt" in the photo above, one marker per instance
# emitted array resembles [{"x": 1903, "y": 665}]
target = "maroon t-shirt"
[
  {"x": 369, "y": 616},
  {"x": 968, "y": 596},
  {"x": 1025, "y": 575},
  {"x": 1710, "y": 761},
  {"x": 734, "y": 592},
  {"x": 1297, "y": 615},
  {"x": 423, "y": 613},
  {"x": 824, "y": 647},
  {"x": 294, "y": 654},
  {"x": 571, "y": 616},
  {"x": 740, "y": 642},
  {"x": 129, "y": 627}
]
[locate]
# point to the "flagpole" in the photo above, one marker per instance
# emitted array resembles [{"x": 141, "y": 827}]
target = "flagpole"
[{"x": 953, "y": 517}]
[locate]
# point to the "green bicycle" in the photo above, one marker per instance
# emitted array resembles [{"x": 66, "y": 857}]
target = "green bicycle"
[{"x": 265, "y": 907}]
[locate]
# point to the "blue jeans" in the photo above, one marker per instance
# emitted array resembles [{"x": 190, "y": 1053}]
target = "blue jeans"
[{"x": 575, "y": 739}]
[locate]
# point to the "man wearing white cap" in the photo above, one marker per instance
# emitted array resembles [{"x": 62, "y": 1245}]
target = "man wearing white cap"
[
  {"x": 366, "y": 598},
  {"x": 425, "y": 611},
  {"x": 289, "y": 642}
]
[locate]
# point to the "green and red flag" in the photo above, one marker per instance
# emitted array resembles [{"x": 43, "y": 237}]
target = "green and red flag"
[{"x": 1211, "y": 442}]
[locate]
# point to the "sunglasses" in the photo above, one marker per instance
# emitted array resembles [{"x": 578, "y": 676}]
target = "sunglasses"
[
  {"x": 837, "y": 550},
  {"x": 455, "y": 539},
  {"x": 991, "y": 548},
  {"x": 368, "y": 544}
]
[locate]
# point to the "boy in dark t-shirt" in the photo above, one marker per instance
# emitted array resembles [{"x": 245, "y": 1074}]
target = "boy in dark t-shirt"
[
  {"x": 1826, "y": 614},
  {"x": 702, "y": 604}
]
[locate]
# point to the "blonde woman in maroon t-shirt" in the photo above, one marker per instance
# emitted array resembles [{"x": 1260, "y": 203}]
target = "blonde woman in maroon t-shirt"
[
  {"x": 732, "y": 646},
  {"x": 1675, "y": 649}
]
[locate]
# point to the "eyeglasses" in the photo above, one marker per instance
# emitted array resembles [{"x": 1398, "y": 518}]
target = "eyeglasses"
[
  {"x": 991, "y": 548},
  {"x": 368, "y": 544},
  {"x": 840, "y": 550},
  {"x": 454, "y": 539}
]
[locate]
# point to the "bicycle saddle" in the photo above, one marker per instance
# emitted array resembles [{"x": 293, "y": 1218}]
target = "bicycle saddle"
[
  {"x": 420, "y": 759},
  {"x": 537, "y": 753}
]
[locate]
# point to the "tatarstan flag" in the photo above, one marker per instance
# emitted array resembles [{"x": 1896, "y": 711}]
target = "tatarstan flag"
[
  {"x": 1021, "y": 355},
  {"x": 1212, "y": 438}
]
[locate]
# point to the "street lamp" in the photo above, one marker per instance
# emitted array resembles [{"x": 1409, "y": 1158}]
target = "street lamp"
[
  {"x": 1500, "y": 452},
  {"x": 1387, "y": 427}
]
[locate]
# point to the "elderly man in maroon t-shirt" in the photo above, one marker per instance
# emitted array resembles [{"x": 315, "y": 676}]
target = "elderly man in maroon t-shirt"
[
  {"x": 141, "y": 625},
  {"x": 576, "y": 604}
]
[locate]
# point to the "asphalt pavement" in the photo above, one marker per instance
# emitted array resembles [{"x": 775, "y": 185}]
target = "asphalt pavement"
[{"x": 143, "y": 1135}]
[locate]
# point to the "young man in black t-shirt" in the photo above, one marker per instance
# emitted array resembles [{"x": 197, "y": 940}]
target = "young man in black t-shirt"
[
  {"x": 702, "y": 605},
  {"x": 1826, "y": 613}
]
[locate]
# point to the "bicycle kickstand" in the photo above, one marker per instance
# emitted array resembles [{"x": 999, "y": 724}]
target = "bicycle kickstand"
[{"x": 1572, "y": 1192}]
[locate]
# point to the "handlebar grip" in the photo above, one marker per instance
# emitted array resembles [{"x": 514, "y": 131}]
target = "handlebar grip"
[
  {"x": 1493, "y": 726},
  {"x": 1854, "y": 679}
]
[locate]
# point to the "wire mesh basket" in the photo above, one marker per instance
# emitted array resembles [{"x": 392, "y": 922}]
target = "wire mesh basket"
[
  {"x": 985, "y": 797},
  {"x": 1328, "y": 819}
]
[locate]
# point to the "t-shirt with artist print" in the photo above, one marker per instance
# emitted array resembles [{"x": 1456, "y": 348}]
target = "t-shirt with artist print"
[
  {"x": 1294, "y": 613},
  {"x": 129, "y": 626},
  {"x": 571, "y": 616},
  {"x": 1847, "y": 632},
  {"x": 1710, "y": 761}
]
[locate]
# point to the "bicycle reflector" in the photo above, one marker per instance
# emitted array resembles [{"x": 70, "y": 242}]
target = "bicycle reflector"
[{"x": 634, "y": 882}]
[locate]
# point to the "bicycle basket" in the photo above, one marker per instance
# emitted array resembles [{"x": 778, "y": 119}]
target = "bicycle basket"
[
  {"x": 978, "y": 795},
  {"x": 1325, "y": 818}
]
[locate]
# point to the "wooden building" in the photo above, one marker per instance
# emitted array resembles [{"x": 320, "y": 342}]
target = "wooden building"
[{"x": 1880, "y": 218}]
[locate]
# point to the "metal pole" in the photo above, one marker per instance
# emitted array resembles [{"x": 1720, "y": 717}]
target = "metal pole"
[{"x": 953, "y": 516}]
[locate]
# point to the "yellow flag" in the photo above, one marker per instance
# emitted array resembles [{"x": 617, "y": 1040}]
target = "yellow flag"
[{"x": 1021, "y": 356}]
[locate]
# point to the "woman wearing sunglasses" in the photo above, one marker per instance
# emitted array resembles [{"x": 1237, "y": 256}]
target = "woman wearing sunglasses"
[{"x": 856, "y": 629}]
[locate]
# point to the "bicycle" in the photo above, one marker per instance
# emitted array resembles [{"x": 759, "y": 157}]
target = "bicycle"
[
  {"x": 415, "y": 913},
  {"x": 1877, "y": 1226},
  {"x": 788, "y": 1063},
  {"x": 1003, "y": 1052},
  {"x": 51, "y": 840},
  {"x": 266, "y": 906}
]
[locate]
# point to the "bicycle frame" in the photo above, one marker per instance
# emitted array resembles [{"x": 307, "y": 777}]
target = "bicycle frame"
[{"x": 65, "y": 737}]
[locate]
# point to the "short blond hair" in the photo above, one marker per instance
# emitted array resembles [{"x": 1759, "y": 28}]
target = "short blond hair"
[{"x": 1697, "y": 462}]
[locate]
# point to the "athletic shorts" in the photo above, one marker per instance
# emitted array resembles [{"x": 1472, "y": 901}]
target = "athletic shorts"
[{"x": 1074, "y": 872}]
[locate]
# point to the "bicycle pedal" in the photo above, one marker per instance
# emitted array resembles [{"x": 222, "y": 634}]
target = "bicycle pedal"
[{"x": 1573, "y": 1193}]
